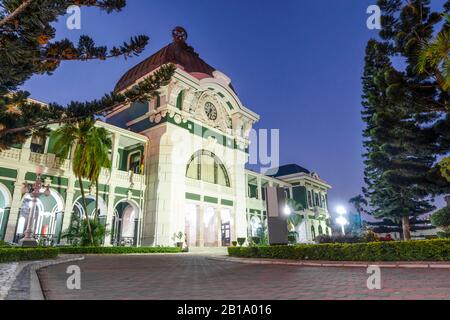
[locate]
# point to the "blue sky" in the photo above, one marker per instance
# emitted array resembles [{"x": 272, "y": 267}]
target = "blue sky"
[{"x": 297, "y": 63}]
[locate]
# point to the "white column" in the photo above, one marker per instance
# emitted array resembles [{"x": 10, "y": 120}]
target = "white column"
[
  {"x": 200, "y": 226},
  {"x": 15, "y": 205},
  {"x": 70, "y": 199}
]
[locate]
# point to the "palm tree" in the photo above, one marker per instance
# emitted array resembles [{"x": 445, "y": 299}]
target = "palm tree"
[
  {"x": 434, "y": 57},
  {"x": 91, "y": 153},
  {"x": 100, "y": 144}
]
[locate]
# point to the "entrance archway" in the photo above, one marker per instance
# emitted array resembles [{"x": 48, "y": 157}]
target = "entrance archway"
[
  {"x": 207, "y": 225},
  {"x": 47, "y": 217},
  {"x": 124, "y": 231}
]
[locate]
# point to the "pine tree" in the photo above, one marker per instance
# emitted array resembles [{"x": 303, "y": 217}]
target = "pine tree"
[
  {"x": 27, "y": 49},
  {"x": 404, "y": 116}
]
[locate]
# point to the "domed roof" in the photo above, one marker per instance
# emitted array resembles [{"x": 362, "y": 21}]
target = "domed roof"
[{"x": 178, "y": 52}]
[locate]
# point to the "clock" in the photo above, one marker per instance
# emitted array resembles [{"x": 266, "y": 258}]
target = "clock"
[{"x": 210, "y": 111}]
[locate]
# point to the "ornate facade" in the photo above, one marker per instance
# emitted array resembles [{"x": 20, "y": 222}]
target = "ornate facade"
[{"x": 191, "y": 143}]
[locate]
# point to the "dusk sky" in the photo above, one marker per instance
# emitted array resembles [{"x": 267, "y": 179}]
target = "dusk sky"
[{"x": 297, "y": 63}]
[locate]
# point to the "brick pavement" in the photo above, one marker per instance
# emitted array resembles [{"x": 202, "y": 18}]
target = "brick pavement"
[{"x": 171, "y": 277}]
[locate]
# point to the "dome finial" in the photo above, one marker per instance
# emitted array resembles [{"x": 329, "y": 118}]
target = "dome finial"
[{"x": 179, "y": 34}]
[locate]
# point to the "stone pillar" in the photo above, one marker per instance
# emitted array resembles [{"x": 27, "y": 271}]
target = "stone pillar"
[
  {"x": 110, "y": 213},
  {"x": 15, "y": 206},
  {"x": 200, "y": 226},
  {"x": 259, "y": 185},
  {"x": 70, "y": 202},
  {"x": 218, "y": 225}
]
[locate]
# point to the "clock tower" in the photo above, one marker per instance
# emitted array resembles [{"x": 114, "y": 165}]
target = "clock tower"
[{"x": 199, "y": 136}]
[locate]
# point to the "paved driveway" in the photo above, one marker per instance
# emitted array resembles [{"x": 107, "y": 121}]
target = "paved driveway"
[{"x": 163, "y": 277}]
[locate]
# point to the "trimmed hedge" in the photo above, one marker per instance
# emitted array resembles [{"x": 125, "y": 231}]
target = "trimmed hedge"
[
  {"x": 13, "y": 254},
  {"x": 117, "y": 250},
  {"x": 21, "y": 254},
  {"x": 424, "y": 250}
]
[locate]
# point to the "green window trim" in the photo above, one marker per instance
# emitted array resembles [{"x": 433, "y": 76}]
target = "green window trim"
[
  {"x": 193, "y": 196},
  {"x": 210, "y": 199}
]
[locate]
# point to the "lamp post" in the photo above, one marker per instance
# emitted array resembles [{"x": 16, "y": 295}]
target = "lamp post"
[
  {"x": 341, "y": 219},
  {"x": 35, "y": 191}
]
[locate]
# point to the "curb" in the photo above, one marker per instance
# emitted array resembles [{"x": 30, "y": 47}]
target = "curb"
[
  {"x": 36, "y": 292},
  {"x": 34, "y": 288},
  {"x": 331, "y": 265}
]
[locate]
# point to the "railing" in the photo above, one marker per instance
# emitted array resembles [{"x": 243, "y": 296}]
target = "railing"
[
  {"x": 11, "y": 154},
  {"x": 45, "y": 240},
  {"x": 124, "y": 242}
]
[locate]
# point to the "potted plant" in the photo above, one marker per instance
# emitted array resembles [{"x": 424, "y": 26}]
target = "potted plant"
[
  {"x": 256, "y": 240},
  {"x": 178, "y": 237}
]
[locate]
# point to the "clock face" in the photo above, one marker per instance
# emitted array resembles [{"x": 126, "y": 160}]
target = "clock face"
[{"x": 211, "y": 111}]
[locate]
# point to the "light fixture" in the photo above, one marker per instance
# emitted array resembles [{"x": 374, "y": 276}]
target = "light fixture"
[
  {"x": 342, "y": 221},
  {"x": 287, "y": 211},
  {"x": 341, "y": 210}
]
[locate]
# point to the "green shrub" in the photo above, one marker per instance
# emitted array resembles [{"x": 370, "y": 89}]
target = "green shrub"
[
  {"x": 240, "y": 241},
  {"x": 425, "y": 250},
  {"x": 77, "y": 233},
  {"x": 443, "y": 235},
  {"x": 23, "y": 254},
  {"x": 117, "y": 250},
  {"x": 3, "y": 244},
  {"x": 441, "y": 219},
  {"x": 256, "y": 240},
  {"x": 234, "y": 243}
]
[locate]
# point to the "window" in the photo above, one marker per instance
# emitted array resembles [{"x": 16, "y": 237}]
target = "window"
[
  {"x": 134, "y": 163},
  {"x": 316, "y": 200},
  {"x": 205, "y": 166},
  {"x": 320, "y": 230},
  {"x": 180, "y": 100},
  {"x": 37, "y": 144},
  {"x": 310, "y": 204},
  {"x": 313, "y": 233}
]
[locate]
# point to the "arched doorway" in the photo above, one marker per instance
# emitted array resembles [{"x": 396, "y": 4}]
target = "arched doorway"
[
  {"x": 47, "y": 217},
  {"x": 124, "y": 231},
  {"x": 5, "y": 207}
]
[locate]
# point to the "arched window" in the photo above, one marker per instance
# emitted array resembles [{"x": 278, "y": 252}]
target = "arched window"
[
  {"x": 206, "y": 166},
  {"x": 180, "y": 100},
  {"x": 320, "y": 230},
  {"x": 313, "y": 233}
]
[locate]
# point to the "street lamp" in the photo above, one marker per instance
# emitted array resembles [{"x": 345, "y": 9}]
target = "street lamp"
[
  {"x": 35, "y": 191},
  {"x": 341, "y": 219}
]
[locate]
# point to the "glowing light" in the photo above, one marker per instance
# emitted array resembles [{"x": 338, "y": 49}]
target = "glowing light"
[
  {"x": 342, "y": 221},
  {"x": 341, "y": 210},
  {"x": 287, "y": 211}
]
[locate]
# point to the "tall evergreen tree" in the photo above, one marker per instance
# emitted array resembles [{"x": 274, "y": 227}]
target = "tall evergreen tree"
[
  {"x": 404, "y": 117},
  {"x": 27, "y": 48}
]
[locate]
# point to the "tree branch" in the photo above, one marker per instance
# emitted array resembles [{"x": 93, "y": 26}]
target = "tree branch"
[{"x": 16, "y": 12}]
